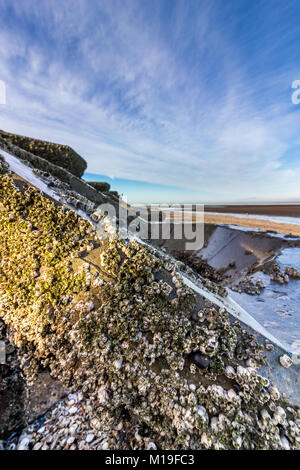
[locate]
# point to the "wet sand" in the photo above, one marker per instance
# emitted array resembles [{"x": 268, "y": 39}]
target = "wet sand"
[{"x": 286, "y": 210}]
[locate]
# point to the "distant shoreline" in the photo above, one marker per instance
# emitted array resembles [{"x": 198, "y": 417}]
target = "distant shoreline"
[
  {"x": 285, "y": 210},
  {"x": 237, "y": 215}
]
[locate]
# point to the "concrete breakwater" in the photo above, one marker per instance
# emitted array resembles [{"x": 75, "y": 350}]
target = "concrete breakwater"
[
  {"x": 126, "y": 326},
  {"x": 60, "y": 155},
  {"x": 260, "y": 271}
]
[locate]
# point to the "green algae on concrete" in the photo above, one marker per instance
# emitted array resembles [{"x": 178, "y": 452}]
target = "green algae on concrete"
[{"x": 124, "y": 329}]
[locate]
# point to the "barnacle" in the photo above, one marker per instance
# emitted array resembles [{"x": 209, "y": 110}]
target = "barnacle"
[{"x": 121, "y": 330}]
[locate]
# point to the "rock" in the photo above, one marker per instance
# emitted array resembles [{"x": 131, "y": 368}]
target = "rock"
[
  {"x": 118, "y": 363},
  {"x": 279, "y": 415},
  {"x": 250, "y": 363},
  {"x": 201, "y": 360},
  {"x": 201, "y": 411},
  {"x": 205, "y": 440},
  {"x": 231, "y": 394},
  {"x": 265, "y": 414},
  {"x": 237, "y": 388},
  {"x": 103, "y": 395},
  {"x": 151, "y": 446},
  {"x": 285, "y": 443},
  {"x": 214, "y": 423},
  {"x": 292, "y": 272},
  {"x": 274, "y": 393},
  {"x": 89, "y": 438},
  {"x": 24, "y": 443},
  {"x": 73, "y": 428},
  {"x": 73, "y": 410},
  {"x": 37, "y": 446},
  {"x": 70, "y": 440},
  {"x": 285, "y": 361}
]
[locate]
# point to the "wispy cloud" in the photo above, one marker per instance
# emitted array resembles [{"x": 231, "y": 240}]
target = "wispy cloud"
[{"x": 188, "y": 94}]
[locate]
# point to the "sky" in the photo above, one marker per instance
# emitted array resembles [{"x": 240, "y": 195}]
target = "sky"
[{"x": 170, "y": 101}]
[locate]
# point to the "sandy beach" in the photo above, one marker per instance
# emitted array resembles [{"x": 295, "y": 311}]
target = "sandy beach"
[
  {"x": 266, "y": 225},
  {"x": 238, "y": 215}
]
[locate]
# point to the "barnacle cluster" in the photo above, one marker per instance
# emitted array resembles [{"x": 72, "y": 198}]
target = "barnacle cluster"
[
  {"x": 113, "y": 319},
  {"x": 35, "y": 274},
  {"x": 65, "y": 192}
]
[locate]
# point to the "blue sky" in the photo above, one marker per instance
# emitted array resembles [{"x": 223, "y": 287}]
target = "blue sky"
[{"x": 168, "y": 100}]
